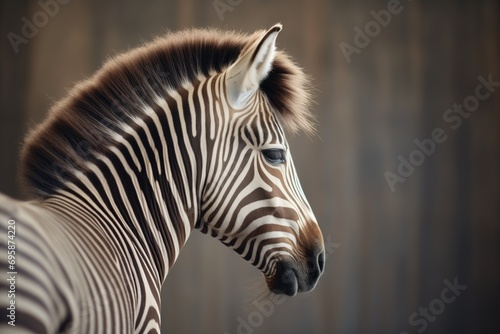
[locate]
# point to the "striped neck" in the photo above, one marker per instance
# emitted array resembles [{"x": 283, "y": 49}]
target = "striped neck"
[{"x": 144, "y": 189}]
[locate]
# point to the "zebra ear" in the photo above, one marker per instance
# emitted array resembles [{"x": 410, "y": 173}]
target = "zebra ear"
[{"x": 245, "y": 75}]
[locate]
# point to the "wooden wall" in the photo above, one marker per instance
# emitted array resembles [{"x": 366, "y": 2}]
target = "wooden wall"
[{"x": 389, "y": 251}]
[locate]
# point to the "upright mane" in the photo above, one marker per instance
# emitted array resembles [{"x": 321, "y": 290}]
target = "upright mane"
[{"x": 85, "y": 121}]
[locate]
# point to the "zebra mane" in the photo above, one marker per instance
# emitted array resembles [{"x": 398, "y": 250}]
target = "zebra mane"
[{"x": 85, "y": 120}]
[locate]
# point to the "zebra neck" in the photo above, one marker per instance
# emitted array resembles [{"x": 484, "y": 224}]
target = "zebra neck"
[
  {"x": 143, "y": 190},
  {"x": 144, "y": 182},
  {"x": 138, "y": 225}
]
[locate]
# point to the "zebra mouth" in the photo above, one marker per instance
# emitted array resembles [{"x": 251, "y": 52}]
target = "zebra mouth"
[
  {"x": 290, "y": 279},
  {"x": 286, "y": 281}
]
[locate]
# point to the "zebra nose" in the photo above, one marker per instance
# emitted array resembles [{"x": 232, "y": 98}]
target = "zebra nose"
[
  {"x": 321, "y": 261},
  {"x": 316, "y": 264}
]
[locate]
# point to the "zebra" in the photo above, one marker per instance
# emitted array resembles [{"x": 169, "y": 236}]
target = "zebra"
[{"x": 185, "y": 132}]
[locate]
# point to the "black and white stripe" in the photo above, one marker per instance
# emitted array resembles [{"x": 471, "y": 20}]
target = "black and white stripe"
[{"x": 135, "y": 159}]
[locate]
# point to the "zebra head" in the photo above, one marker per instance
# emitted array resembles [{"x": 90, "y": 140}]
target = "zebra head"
[{"x": 253, "y": 201}]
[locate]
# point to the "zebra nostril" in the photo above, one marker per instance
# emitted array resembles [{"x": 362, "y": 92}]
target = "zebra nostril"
[{"x": 321, "y": 261}]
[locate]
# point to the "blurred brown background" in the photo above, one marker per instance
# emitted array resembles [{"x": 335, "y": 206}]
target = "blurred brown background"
[{"x": 390, "y": 252}]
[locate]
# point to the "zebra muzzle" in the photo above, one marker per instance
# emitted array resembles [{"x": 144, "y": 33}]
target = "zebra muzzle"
[{"x": 292, "y": 277}]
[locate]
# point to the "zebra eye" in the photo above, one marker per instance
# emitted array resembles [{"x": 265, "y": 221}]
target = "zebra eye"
[{"x": 274, "y": 156}]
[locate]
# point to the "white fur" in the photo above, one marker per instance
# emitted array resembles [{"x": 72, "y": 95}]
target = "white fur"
[{"x": 245, "y": 75}]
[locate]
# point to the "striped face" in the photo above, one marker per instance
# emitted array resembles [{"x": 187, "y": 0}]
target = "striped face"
[
  {"x": 258, "y": 208},
  {"x": 254, "y": 202}
]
